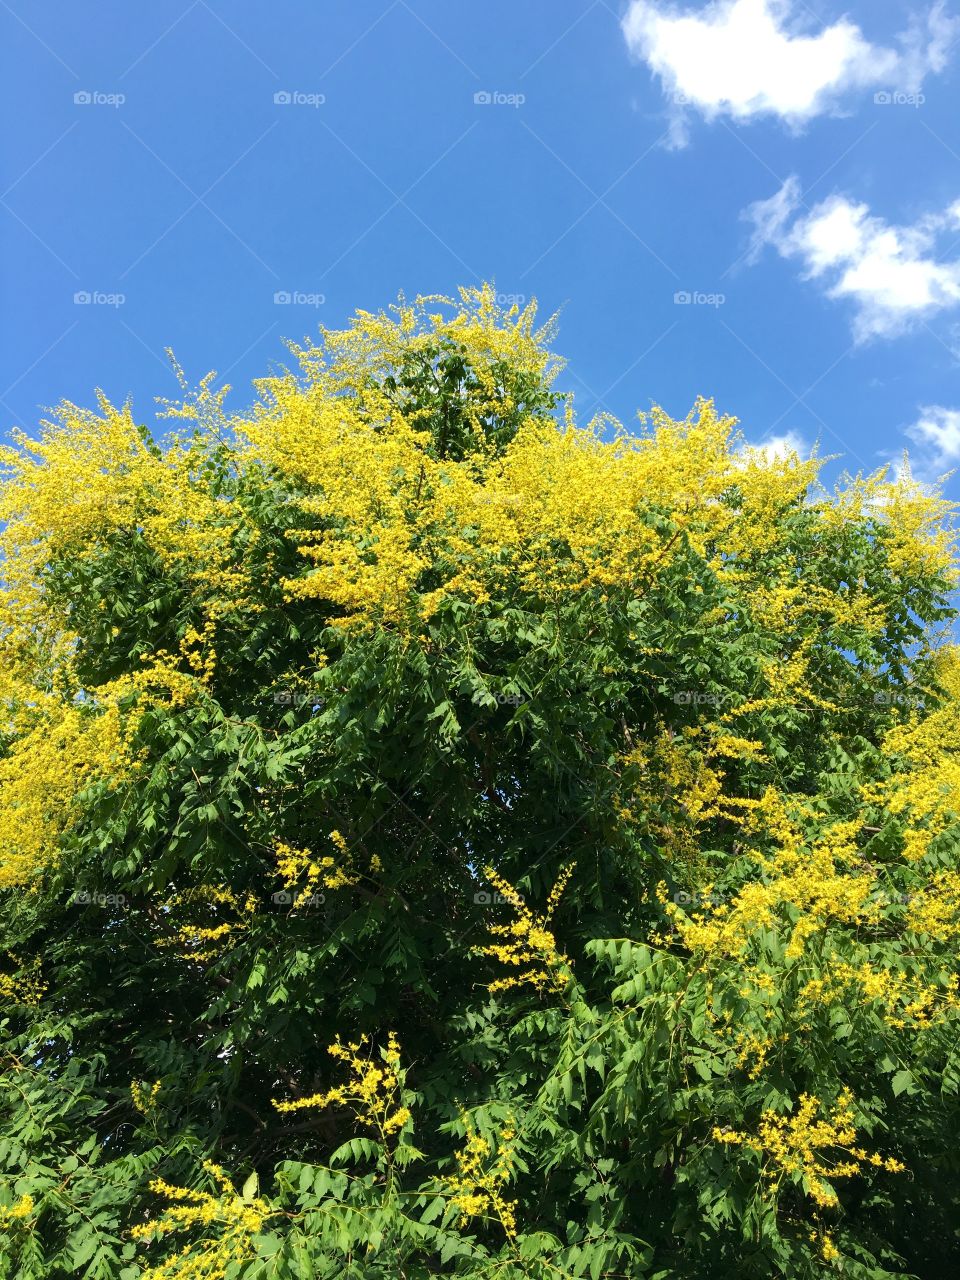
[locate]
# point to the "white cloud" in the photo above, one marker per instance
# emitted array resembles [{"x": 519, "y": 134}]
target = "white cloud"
[
  {"x": 745, "y": 58},
  {"x": 936, "y": 435},
  {"x": 892, "y": 274},
  {"x": 934, "y": 451}
]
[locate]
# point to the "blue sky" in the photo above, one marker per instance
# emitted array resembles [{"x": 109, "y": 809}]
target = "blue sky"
[{"x": 793, "y": 169}]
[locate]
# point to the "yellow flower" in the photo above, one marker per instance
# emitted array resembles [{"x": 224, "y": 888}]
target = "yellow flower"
[
  {"x": 477, "y": 1186},
  {"x": 144, "y": 1100},
  {"x": 215, "y": 918},
  {"x": 301, "y": 866},
  {"x": 227, "y": 1223},
  {"x": 800, "y": 1146},
  {"x": 373, "y": 1093},
  {"x": 17, "y": 1213},
  {"x": 528, "y": 940},
  {"x": 24, "y": 987}
]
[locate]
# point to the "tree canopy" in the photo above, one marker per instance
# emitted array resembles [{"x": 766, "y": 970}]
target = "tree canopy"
[{"x": 439, "y": 838}]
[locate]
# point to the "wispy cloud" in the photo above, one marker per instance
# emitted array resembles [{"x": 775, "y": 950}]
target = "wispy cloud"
[
  {"x": 891, "y": 273},
  {"x": 935, "y": 437}
]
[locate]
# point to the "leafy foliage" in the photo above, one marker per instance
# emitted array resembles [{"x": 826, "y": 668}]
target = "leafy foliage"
[{"x": 439, "y": 839}]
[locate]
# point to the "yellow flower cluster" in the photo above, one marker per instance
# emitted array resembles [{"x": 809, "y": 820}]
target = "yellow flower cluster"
[
  {"x": 373, "y": 1093},
  {"x": 161, "y": 682},
  {"x": 193, "y": 939},
  {"x": 397, "y": 528},
  {"x": 92, "y": 478},
  {"x": 197, "y": 647},
  {"x": 918, "y": 527},
  {"x": 62, "y": 747},
  {"x": 236, "y": 1219},
  {"x": 935, "y": 912},
  {"x": 805, "y": 886},
  {"x": 16, "y": 1214},
  {"x": 301, "y": 866},
  {"x": 65, "y": 741},
  {"x": 393, "y": 509},
  {"x": 686, "y": 767},
  {"x": 904, "y": 999},
  {"x": 828, "y": 1249},
  {"x": 24, "y": 987},
  {"x": 528, "y": 940},
  {"x": 796, "y": 1146},
  {"x": 753, "y": 1051},
  {"x": 144, "y": 1099},
  {"x": 477, "y": 1186},
  {"x": 77, "y": 483},
  {"x": 91, "y": 483},
  {"x": 925, "y": 792}
]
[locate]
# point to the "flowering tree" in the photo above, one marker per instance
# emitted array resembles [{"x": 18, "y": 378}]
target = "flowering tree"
[{"x": 442, "y": 839}]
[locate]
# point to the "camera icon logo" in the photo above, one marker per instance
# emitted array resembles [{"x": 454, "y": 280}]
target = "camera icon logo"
[
  {"x": 483, "y": 98},
  {"x": 283, "y": 897},
  {"x": 283, "y": 98}
]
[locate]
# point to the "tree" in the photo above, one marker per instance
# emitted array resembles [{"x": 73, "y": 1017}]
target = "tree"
[{"x": 438, "y": 838}]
